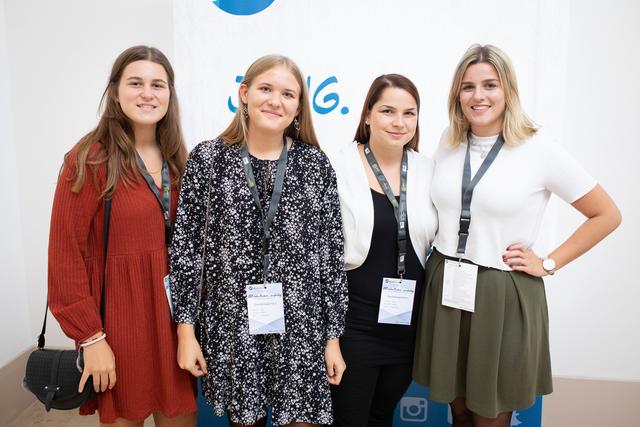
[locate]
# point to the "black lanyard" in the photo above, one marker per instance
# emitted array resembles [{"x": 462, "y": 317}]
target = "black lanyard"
[
  {"x": 468, "y": 185},
  {"x": 165, "y": 199},
  {"x": 399, "y": 207},
  {"x": 276, "y": 195}
]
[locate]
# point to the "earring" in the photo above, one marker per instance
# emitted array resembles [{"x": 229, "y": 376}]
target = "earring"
[
  {"x": 366, "y": 122},
  {"x": 245, "y": 110},
  {"x": 296, "y": 124}
]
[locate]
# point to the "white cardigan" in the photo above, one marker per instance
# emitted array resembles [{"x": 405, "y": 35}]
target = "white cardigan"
[{"x": 356, "y": 204}]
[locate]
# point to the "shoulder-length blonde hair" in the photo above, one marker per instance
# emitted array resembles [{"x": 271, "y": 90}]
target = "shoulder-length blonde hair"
[
  {"x": 238, "y": 129},
  {"x": 114, "y": 133},
  {"x": 516, "y": 125}
]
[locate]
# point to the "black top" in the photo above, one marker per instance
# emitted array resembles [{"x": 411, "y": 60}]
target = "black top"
[
  {"x": 366, "y": 342},
  {"x": 264, "y": 172}
]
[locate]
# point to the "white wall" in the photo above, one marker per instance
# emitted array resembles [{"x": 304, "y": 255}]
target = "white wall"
[
  {"x": 575, "y": 66},
  {"x": 15, "y": 326},
  {"x": 595, "y": 323},
  {"x": 60, "y": 55}
]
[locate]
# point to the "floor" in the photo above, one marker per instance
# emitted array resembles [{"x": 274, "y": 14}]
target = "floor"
[{"x": 35, "y": 415}]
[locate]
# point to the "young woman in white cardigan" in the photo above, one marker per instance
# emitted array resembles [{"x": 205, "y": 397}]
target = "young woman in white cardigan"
[
  {"x": 388, "y": 222},
  {"x": 483, "y": 333}
]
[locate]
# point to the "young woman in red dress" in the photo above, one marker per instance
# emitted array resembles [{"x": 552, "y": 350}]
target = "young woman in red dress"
[{"x": 135, "y": 157}]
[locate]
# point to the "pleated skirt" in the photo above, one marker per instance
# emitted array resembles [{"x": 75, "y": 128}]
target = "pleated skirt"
[{"x": 497, "y": 357}]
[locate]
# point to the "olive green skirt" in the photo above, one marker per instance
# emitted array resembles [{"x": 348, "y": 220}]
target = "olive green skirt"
[{"x": 497, "y": 357}]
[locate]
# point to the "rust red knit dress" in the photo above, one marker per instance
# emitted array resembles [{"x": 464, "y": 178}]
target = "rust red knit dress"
[{"x": 137, "y": 320}]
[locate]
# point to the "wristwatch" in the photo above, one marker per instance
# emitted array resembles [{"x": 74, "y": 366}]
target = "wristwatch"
[{"x": 549, "y": 265}]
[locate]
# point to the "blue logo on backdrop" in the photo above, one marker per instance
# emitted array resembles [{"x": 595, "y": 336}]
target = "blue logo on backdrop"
[
  {"x": 243, "y": 7},
  {"x": 330, "y": 101},
  {"x": 413, "y": 410}
]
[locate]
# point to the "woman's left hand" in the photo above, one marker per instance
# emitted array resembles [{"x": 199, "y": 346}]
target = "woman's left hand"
[
  {"x": 521, "y": 258},
  {"x": 334, "y": 361}
]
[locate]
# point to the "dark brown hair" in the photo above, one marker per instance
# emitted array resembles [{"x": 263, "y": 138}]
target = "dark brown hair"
[
  {"x": 375, "y": 91},
  {"x": 114, "y": 133}
]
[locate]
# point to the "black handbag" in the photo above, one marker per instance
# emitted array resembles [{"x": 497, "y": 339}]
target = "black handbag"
[{"x": 53, "y": 376}]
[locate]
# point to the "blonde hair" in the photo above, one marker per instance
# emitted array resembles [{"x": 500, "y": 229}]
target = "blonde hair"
[
  {"x": 516, "y": 126},
  {"x": 238, "y": 129}
]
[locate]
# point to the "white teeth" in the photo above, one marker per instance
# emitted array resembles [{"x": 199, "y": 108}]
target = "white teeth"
[{"x": 480, "y": 107}]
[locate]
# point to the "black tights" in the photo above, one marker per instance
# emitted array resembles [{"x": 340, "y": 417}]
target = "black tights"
[
  {"x": 262, "y": 422},
  {"x": 463, "y": 417},
  {"x": 367, "y": 397}
]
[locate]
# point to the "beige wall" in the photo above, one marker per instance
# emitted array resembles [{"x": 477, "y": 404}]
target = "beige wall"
[{"x": 580, "y": 402}]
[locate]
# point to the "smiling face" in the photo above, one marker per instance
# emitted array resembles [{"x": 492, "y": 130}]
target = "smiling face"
[
  {"x": 482, "y": 99},
  {"x": 272, "y": 100},
  {"x": 393, "y": 119},
  {"x": 143, "y": 93}
]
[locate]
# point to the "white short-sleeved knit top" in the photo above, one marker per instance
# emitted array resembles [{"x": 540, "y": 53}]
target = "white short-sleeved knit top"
[{"x": 509, "y": 201}]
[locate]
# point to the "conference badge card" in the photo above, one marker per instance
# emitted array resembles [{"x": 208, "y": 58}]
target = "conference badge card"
[
  {"x": 459, "y": 288},
  {"x": 266, "y": 308},
  {"x": 396, "y": 301}
]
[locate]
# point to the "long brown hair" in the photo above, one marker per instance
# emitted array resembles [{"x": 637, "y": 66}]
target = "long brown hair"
[
  {"x": 115, "y": 136},
  {"x": 363, "y": 133},
  {"x": 516, "y": 125},
  {"x": 237, "y": 130}
]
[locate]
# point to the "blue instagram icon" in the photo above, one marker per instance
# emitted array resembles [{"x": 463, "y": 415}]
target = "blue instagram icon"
[{"x": 413, "y": 409}]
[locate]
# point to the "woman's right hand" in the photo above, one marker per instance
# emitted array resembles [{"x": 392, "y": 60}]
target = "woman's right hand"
[
  {"x": 100, "y": 364},
  {"x": 190, "y": 357},
  {"x": 334, "y": 361}
]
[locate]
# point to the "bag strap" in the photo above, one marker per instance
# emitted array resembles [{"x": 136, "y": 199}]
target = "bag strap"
[
  {"x": 53, "y": 387},
  {"x": 206, "y": 227},
  {"x": 105, "y": 238},
  {"x": 107, "y": 222}
]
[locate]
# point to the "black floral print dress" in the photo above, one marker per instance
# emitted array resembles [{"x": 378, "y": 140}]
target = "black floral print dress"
[{"x": 247, "y": 372}]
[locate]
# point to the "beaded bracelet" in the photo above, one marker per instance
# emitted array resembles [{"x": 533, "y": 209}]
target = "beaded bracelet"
[{"x": 91, "y": 341}]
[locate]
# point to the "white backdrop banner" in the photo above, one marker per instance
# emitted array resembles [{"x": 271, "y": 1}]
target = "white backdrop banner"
[{"x": 341, "y": 46}]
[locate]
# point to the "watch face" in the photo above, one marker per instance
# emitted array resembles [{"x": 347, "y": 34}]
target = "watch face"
[{"x": 548, "y": 264}]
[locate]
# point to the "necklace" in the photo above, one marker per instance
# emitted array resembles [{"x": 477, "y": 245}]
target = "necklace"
[
  {"x": 483, "y": 146},
  {"x": 266, "y": 179}
]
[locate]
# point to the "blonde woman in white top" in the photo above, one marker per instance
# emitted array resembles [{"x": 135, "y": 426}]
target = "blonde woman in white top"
[{"x": 482, "y": 341}]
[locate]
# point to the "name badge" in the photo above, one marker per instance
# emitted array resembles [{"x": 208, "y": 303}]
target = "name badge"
[
  {"x": 266, "y": 309},
  {"x": 167, "y": 290},
  {"x": 459, "y": 288},
  {"x": 396, "y": 301}
]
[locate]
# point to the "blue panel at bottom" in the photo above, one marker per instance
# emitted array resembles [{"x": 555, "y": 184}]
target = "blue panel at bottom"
[{"x": 414, "y": 410}]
